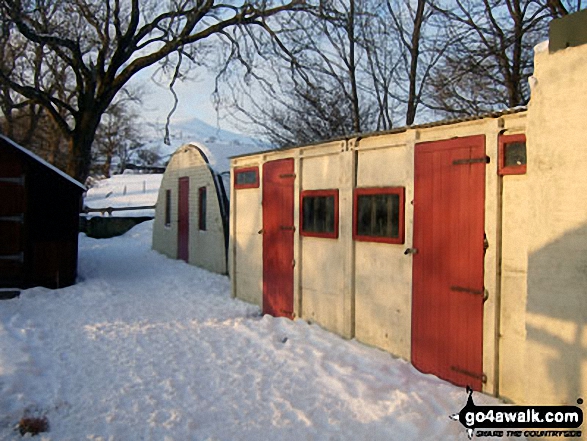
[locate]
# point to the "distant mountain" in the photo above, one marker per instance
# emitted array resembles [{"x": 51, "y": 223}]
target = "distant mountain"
[{"x": 218, "y": 144}]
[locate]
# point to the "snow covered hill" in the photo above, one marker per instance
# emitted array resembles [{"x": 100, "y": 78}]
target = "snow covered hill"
[
  {"x": 218, "y": 144},
  {"x": 149, "y": 348}
]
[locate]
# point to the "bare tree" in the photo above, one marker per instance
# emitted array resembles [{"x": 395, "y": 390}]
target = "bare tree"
[
  {"x": 100, "y": 45},
  {"x": 310, "y": 82},
  {"x": 422, "y": 42},
  {"x": 490, "y": 57}
]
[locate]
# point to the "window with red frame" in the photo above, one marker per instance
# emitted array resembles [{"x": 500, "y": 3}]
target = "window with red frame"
[
  {"x": 319, "y": 213},
  {"x": 378, "y": 214},
  {"x": 247, "y": 177},
  {"x": 512, "y": 155},
  {"x": 202, "y": 208}
]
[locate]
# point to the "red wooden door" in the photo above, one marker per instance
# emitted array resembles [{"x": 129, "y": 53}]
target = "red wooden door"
[
  {"x": 183, "y": 218},
  {"x": 447, "y": 303},
  {"x": 278, "y": 233}
]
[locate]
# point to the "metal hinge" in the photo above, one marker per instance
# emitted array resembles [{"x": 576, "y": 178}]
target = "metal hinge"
[
  {"x": 459, "y": 370},
  {"x": 288, "y": 175},
  {"x": 293, "y": 263},
  {"x": 15, "y": 218},
  {"x": 13, "y": 257},
  {"x": 287, "y": 227},
  {"x": 19, "y": 180},
  {"x": 469, "y": 290},
  {"x": 483, "y": 160}
]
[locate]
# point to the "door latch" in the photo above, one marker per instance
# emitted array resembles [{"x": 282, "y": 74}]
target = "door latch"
[{"x": 411, "y": 251}]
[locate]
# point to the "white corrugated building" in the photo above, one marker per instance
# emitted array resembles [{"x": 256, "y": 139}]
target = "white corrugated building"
[{"x": 191, "y": 216}]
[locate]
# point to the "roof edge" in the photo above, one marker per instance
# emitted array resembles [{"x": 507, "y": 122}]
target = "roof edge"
[
  {"x": 43, "y": 162},
  {"x": 443, "y": 122}
]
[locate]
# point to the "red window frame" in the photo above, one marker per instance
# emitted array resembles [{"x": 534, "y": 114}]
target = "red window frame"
[
  {"x": 401, "y": 192},
  {"x": 244, "y": 170},
  {"x": 202, "y": 208},
  {"x": 319, "y": 193},
  {"x": 512, "y": 169}
]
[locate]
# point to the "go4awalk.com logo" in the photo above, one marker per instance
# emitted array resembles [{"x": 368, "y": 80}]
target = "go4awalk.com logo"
[{"x": 518, "y": 421}]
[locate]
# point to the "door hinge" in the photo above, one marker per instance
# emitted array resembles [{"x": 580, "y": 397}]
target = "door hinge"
[
  {"x": 15, "y": 218},
  {"x": 17, "y": 180},
  {"x": 483, "y": 160},
  {"x": 459, "y": 370},
  {"x": 19, "y": 257},
  {"x": 287, "y": 227},
  {"x": 288, "y": 175},
  {"x": 293, "y": 263},
  {"x": 468, "y": 290}
]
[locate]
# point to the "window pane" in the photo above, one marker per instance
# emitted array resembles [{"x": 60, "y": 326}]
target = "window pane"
[
  {"x": 515, "y": 154},
  {"x": 246, "y": 177},
  {"x": 378, "y": 215},
  {"x": 319, "y": 212},
  {"x": 167, "y": 207},
  {"x": 202, "y": 208}
]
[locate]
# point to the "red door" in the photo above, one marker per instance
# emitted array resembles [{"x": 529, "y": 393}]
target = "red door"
[
  {"x": 278, "y": 233},
  {"x": 447, "y": 303},
  {"x": 183, "y": 219}
]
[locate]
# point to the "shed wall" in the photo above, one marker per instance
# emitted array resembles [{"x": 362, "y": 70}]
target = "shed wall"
[
  {"x": 47, "y": 232},
  {"x": 556, "y": 317},
  {"x": 364, "y": 289}
]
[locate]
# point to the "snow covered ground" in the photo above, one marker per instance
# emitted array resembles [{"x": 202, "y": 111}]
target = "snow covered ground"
[
  {"x": 126, "y": 190},
  {"x": 149, "y": 348}
]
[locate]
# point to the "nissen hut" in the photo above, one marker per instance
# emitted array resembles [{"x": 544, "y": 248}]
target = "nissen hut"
[
  {"x": 459, "y": 246},
  {"x": 191, "y": 216}
]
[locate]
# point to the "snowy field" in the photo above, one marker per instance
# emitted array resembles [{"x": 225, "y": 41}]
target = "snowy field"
[
  {"x": 148, "y": 348},
  {"x": 126, "y": 190}
]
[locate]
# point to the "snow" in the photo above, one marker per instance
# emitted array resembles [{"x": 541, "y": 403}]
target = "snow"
[
  {"x": 145, "y": 347},
  {"x": 126, "y": 190},
  {"x": 218, "y": 145},
  {"x": 541, "y": 47}
]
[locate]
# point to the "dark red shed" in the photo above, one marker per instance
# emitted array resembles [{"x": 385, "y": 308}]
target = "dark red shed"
[{"x": 39, "y": 220}]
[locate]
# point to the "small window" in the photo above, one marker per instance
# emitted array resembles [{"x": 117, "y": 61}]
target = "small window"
[
  {"x": 319, "y": 213},
  {"x": 246, "y": 177},
  {"x": 167, "y": 208},
  {"x": 512, "y": 155},
  {"x": 202, "y": 208},
  {"x": 379, "y": 215}
]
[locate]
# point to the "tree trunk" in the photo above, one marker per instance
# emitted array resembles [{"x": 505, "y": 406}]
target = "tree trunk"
[
  {"x": 414, "y": 56},
  {"x": 81, "y": 141},
  {"x": 353, "y": 69}
]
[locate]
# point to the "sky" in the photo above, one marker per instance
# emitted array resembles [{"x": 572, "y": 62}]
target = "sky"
[{"x": 195, "y": 99}]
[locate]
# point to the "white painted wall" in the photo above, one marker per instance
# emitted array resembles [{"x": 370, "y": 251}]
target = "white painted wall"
[{"x": 556, "y": 310}]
